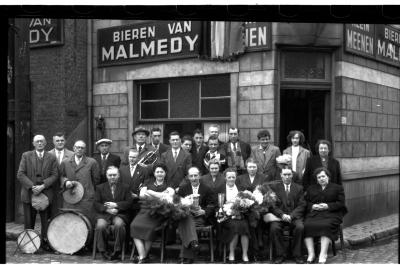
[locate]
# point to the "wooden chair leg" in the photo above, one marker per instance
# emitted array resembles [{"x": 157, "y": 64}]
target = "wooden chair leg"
[
  {"x": 333, "y": 248},
  {"x": 270, "y": 248},
  {"x": 211, "y": 245},
  {"x": 162, "y": 246},
  {"x": 95, "y": 244},
  {"x": 224, "y": 256},
  {"x": 341, "y": 238},
  {"x": 123, "y": 251}
]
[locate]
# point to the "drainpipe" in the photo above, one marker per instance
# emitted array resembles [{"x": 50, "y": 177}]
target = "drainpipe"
[{"x": 89, "y": 82}]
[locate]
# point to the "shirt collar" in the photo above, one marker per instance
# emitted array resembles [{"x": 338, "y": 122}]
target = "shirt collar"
[{"x": 39, "y": 153}]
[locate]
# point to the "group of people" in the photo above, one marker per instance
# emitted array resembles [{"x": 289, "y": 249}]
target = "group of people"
[{"x": 310, "y": 198}]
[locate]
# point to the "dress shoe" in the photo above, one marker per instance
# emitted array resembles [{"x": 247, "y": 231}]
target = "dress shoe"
[
  {"x": 115, "y": 255},
  {"x": 105, "y": 255},
  {"x": 231, "y": 261},
  {"x": 322, "y": 260},
  {"x": 310, "y": 261},
  {"x": 194, "y": 245},
  {"x": 299, "y": 260},
  {"x": 186, "y": 261},
  {"x": 279, "y": 260},
  {"x": 144, "y": 260}
]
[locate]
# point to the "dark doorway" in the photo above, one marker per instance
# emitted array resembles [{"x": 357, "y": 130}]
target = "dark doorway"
[
  {"x": 306, "y": 111},
  {"x": 10, "y": 182},
  {"x": 182, "y": 127}
]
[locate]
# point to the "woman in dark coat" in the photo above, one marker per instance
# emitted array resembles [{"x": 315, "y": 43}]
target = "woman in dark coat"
[
  {"x": 323, "y": 159},
  {"x": 231, "y": 229},
  {"x": 325, "y": 211},
  {"x": 143, "y": 226}
]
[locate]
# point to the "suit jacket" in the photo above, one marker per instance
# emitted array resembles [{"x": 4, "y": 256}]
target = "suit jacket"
[
  {"x": 293, "y": 205},
  {"x": 244, "y": 148},
  {"x": 207, "y": 200},
  {"x": 27, "y": 174},
  {"x": 162, "y": 149},
  {"x": 197, "y": 157},
  {"x": 112, "y": 160},
  {"x": 301, "y": 159},
  {"x": 313, "y": 163},
  {"x": 87, "y": 173},
  {"x": 176, "y": 170},
  {"x": 333, "y": 195},
  {"x": 67, "y": 154},
  {"x": 122, "y": 197},
  {"x": 219, "y": 181},
  {"x": 266, "y": 165},
  {"x": 243, "y": 181},
  {"x": 135, "y": 182},
  {"x": 147, "y": 148}
]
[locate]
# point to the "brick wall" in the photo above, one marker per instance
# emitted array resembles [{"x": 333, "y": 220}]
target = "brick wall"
[
  {"x": 255, "y": 99},
  {"x": 59, "y": 90},
  {"x": 371, "y": 111}
]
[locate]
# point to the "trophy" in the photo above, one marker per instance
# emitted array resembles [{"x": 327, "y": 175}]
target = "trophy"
[
  {"x": 195, "y": 198},
  {"x": 220, "y": 214}
]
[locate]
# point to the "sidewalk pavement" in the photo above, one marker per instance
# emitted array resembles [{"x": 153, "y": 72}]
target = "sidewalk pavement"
[{"x": 358, "y": 234}]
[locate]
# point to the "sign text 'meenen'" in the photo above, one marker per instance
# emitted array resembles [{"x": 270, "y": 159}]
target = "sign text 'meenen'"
[{"x": 148, "y": 42}]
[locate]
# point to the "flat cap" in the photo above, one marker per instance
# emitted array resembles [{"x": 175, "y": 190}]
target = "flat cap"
[
  {"x": 140, "y": 129},
  {"x": 104, "y": 140}
]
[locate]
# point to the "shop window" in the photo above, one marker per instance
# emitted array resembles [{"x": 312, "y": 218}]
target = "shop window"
[
  {"x": 186, "y": 98},
  {"x": 306, "y": 66}
]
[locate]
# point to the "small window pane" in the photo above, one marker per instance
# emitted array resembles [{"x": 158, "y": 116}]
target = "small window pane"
[
  {"x": 154, "y": 91},
  {"x": 154, "y": 110},
  {"x": 304, "y": 65},
  {"x": 185, "y": 99},
  {"x": 215, "y": 86},
  {"x": 215, "y": 107}
]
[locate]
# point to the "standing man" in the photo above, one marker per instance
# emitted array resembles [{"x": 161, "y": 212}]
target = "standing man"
[
  {"x": 37, "y": 173},
  {"x": 85, "y": 170},
  {"x": 61, "y": 153},
  {"x": 237, "y": 151},
  {"x": 213, "y": 130},
  {"x": 177, "y": 161},
  {"x": 156, "y": 141},
  {"x": 199, "y": 149},
  {"x": 290, "y": 209},
  {"x": 112, "y": 203},
  {"x": 104, "y": 158},
  {"x": 214, "y": 154},
  {"x": 265, "y": 155},
  {"x": 140, "y": 136}
]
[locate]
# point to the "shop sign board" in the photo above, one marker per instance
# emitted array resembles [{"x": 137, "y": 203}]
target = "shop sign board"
[
  {"x": 257, "y": 36},
  {"x": 380, "y": 42},
  {"x": 148, "y": 42},
  {"x": 45, "y": 32}
]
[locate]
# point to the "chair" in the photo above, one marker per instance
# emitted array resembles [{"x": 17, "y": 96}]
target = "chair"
[
  {"x": 161, "y": 228},
  {"x": 96, "y": 235},
  {"x": 341, "y": 241}
]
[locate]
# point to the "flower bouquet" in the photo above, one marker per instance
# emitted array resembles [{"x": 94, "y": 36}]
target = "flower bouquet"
[
  {"x": 266, "y": 198},
  {"x": 238, "y": 208},
  {"x": 171, "y": 207}
]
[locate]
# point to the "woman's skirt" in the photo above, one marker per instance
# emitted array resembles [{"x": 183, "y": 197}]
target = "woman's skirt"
[
  {"x": 232, "y": 227},
  {"x": 322, "y": 224},
  {"x": 143, "y": 226}
]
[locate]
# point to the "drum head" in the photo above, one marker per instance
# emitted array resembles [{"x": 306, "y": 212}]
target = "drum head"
[
  {"x": 74, "y": 195},
  {"x": 67, "y": 233},
  {"x": 28, "y": 241}
]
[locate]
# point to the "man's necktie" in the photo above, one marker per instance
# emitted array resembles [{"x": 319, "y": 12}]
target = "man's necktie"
[
  {"x": 234, "y": 147},
  {"x": 59, "y": 157},
  {"x": 132, "y": 167},
  {"x": 113, "y": 191},
  {"x": 175, "y": 155},
  {"x": 40, "y": 155},
  {"x": 287, "y": 190},
  {"x": 140, "y": 149}
]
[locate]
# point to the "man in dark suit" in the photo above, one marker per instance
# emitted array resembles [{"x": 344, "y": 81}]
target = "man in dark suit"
[
  {"x": 112, "y": 202},
  {"x": 290, "y": 209},
  {"x": 177, "y": 161},
  {"x": 199, "y": 149},
  {"x": 61, "y": 153},
  {"x": 156, "y": 141},
  {"x": 104, "y": 158},
  {"x": 213, "y": 153},
  {"x": 237, "y": 151},
  {"x": 202, "y": 212},
  {"x": 140, "y": 136},
  {"x": 37, "y": 173},
  {"x": 135, "y": 177},
  {"x": 213, "y": 130}
]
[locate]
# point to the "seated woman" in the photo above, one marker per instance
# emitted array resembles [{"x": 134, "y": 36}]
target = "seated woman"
[
  {"x": 325, "y": 211},
  {"x": 233, "y": 228},
  {"x": 143, "y": 226}
]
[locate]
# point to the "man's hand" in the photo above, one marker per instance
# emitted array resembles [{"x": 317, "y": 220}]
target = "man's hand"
[
  {"x": 112, "y": 211},
  {"x": 323, "y": 206},
  {"x": 197, "y": 212},
  {"x": 37, "y": 189},
  {"x": 134, "y": 195},
  {"x": 110, "y": 205},
  {"x": 142, "y": 165},
  {"x": 69, "y": 184},
  {"x": 286, "y": 218}
]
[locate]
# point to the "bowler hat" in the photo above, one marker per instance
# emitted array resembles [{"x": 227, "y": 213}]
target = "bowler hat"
[
  {"x": 140, "y": 129},
  {"x": 104, "y": 140}
]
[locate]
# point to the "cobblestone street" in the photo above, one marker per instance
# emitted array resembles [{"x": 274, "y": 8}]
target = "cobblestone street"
[{"x": 382, "y": 252}]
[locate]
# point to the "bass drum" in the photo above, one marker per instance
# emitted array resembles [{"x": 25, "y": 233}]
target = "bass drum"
[{"x": 69, "y": 231}]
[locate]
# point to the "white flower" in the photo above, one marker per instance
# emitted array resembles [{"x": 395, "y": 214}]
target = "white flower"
[
  {"x": 188, "y": 200},
  {"x": 258, "y": 196},
  {"x": 228, "y": 208},
  {"x": 167, "y": 197}
]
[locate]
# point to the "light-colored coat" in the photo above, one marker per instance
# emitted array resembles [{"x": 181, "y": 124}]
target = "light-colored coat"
[
  {"x": 301, "y": 159},
  {"x": 88, "y": 174},
  {"x": 266, "y": 164}
]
